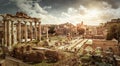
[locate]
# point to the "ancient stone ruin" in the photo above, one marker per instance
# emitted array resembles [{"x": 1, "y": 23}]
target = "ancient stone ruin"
[{"x": 19, "y": 27}]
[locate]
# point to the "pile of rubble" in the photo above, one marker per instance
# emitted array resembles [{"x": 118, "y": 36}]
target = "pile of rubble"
[{"x": 31, "y": 55}]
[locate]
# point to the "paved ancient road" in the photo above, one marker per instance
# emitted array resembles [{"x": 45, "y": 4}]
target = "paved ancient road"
[
  {"x": 76, "y": 43},
  {"x": 69, "y": 46},
  {"x": 79, "y": 44}
]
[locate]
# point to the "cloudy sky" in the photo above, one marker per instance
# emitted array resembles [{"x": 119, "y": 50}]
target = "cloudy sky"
[{"x": 91, "y": 12}]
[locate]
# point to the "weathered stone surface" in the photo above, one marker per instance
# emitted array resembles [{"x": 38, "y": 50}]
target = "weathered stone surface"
[
  {"x": 34, "y": 57},
  {"x": 53, "y": 56},
  {"x": 26, "y": 54}
]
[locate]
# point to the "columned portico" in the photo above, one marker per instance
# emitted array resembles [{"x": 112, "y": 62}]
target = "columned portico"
[{"x": 15, "y": 26}]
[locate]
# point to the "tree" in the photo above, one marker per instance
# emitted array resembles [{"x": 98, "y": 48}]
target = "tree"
[
  {"x": 81, "y": 31},
  {"x": 109, "y": 36},
  {"x": 114, "y": 32},
  {"x": 117, "y": 33},
  {"x": 51, "y": 29}
]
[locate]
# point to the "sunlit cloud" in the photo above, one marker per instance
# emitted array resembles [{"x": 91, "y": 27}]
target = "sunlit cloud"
[{"x": 91, "y": 14}]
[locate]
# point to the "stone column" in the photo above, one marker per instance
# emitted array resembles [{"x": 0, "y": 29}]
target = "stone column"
[
  {"x": 39, "y": 31},
  {"x": 35, "y": 30},
  {"x": 15, "y": 34},
  {"x": 31, "y": 31},
  {"x": 47, "y": 31},
  {"x": 5, "y": 32},
  {"x": 19, "y": 31},
  {"x": 25, "y": 30},
  {"x": 12, "y": 31},
  {"x": 9, "y": 34}
]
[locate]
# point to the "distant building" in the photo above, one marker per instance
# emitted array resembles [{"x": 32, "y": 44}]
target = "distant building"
[
  {"x": 81, "y": 25},
  {"x": 90, "y": 31},
  {"x": 64, "y": 29},
  {"x": 95, "y": 32},
  {"x": 113, "y": 21}
]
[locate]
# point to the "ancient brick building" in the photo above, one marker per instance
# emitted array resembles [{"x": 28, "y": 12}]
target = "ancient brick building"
[
  {"x": 64, "y": 29},
  {"x": 112, "y": 21}
]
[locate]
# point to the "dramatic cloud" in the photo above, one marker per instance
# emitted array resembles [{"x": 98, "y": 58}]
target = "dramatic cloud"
[
  {"x": 47, "y": 7},
  {"x": 91, "y": 12},
  {"x": 35, "y": 10},
  {"x": 92, "y": 16}
]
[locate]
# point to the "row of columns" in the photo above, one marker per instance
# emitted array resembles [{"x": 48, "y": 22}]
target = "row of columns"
[
  {"x": 9, "y": 38},
  {"x": 37, "y": 33}
]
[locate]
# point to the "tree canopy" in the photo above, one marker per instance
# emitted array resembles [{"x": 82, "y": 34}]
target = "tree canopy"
[
  {"x": 81, "y": 31},
  {"x": 51, "y": 29},
  {"x": 114, "y": 32}
]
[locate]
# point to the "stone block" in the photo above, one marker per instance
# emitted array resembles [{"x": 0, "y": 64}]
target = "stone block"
[{"x": 2, "y": 63}]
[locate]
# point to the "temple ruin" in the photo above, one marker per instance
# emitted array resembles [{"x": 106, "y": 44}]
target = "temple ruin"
[{"x": 19, "y": 27}]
